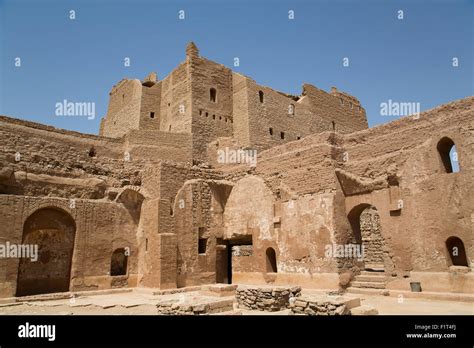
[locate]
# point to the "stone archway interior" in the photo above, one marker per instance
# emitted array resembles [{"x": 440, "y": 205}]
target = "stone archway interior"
[{"x": 52, "y": 231}]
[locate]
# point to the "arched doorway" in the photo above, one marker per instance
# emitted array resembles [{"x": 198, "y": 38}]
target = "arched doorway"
[
  {"x": 366, "y": 230},
  {"x": 456, "y": 251},
  {"x": 53, "y": 231},
  {"x": 271, "y": 261}
]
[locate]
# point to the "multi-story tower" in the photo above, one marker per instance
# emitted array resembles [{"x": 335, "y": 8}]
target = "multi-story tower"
[{"x": 209, "y": 101}]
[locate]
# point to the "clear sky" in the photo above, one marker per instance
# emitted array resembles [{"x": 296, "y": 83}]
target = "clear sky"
[{"x": 408, "y": 60}]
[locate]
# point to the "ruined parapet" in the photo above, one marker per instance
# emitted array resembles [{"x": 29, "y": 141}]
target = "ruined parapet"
[
  {"x": 150, "y": 79},
  {"x": 345, "y": 98},
  {"x": 123, "y": 112},
  {"x": 192, "y": 51}
]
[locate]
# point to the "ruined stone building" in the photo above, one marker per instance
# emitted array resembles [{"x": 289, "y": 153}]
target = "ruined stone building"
[{"x": 149, "y": 203}]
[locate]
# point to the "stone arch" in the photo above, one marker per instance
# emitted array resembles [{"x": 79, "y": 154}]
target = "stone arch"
[
  {"x": 132, "y": 200},
  {"x": 456, "y": 252},
  {"x": 366, "y": 229},
  {"x": 53, "y": 231},
  {"x": 271, "y": 262},
  {"x": 354, "y": 220},
  {"x": 446, "y": 150},
  {"x": 220, "y": 191}
]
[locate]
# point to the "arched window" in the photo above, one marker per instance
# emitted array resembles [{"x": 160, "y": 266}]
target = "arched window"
[
  {"x": 271, "y": 261},
  {"x": 213, "y": 95},
  {"x": 448, "y": 155},
  {"x": 118, "y": 263},
  {"x": 456, "y": 251},
  {"x": 260, "y": 96}
]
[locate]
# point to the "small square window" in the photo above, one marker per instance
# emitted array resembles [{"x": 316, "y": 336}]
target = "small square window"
[{"x": 152, "y": 115}]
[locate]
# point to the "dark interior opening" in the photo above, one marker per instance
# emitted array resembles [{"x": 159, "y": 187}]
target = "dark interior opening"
[
  {"x": 271, "y": 261},
  {"x": 118, "y": 264},
  {"x": 212, "y": 95},
  {"x": 456, "y": 251},
  {"x": 445, "y": 145}
]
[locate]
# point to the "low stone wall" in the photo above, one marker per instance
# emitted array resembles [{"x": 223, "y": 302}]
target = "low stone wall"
[
  {"x": 268, "y": 299},
  {"x": 211, "y": 307},
  {"x": 324, "y": 305}
]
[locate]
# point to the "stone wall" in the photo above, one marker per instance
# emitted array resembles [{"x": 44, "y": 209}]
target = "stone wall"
[
  {"x": 270, "y": 299},
  {"x": 98, "y": 227},
  {"x": 320, "y": 306},
  {"x": 40, "y": 161},
  {"x": 372, "y": 240},
  {"x": 419, "y": 205}
]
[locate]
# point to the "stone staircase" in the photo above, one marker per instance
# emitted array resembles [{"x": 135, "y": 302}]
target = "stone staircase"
[{"x": 371, "y": 280}]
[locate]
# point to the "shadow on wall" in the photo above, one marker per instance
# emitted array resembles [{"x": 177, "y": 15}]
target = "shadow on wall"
[
  {"x": 271, "y": 260},
  {"x": 53, "y": 230},
  {"x": 132, "y": 201}
]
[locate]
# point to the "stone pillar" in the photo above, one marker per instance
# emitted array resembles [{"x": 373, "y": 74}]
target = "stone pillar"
[{"x": 167, "y": 249}]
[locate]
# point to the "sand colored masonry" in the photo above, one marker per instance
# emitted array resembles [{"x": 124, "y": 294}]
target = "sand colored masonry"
[{"x": 150, "y": 202}]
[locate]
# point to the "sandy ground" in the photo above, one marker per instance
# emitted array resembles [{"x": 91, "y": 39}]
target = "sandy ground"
[
  {"x": 140, "y": 303},
  {"x": 409, "y": 306}
]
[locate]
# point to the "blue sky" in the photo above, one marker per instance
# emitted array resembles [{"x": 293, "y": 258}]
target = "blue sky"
[{"x": 407, "y": 60}]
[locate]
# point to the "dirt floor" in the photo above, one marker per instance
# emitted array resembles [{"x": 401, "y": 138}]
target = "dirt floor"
[{"x": 139, "y": 302}]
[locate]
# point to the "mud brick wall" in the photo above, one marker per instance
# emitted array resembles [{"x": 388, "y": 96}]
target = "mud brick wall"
[
  {"x": 159, "y": 145},
  {"x": 61, "y": 163},
  {"x": 211, "y": 119}
]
